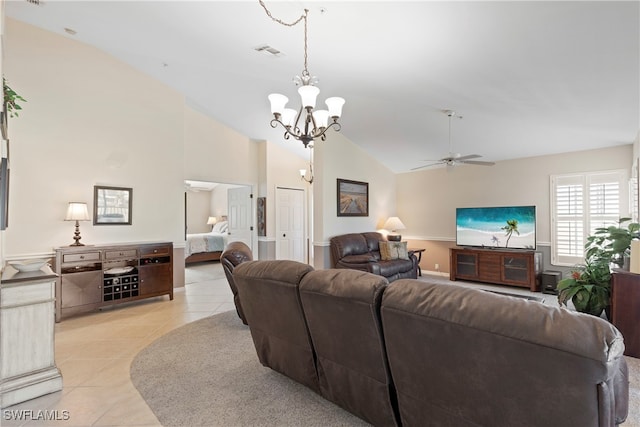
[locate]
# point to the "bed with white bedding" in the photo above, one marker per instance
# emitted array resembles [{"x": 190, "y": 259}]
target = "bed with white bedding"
[{"x": 206, "y": 246}]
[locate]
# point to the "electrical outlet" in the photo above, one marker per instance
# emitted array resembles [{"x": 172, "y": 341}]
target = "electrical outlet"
[{"x": 437, "y": 267}]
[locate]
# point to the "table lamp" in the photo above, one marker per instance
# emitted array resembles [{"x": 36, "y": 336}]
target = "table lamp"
[
  {"x": 77, "y": 211},
  {"x": 211, "y": 221},
  {"x": 394, "y": 224}
]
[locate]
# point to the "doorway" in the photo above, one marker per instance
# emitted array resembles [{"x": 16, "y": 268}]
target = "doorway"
[
  {"x": 209, "y": 203},
  {"x": 290, "y": 224}
]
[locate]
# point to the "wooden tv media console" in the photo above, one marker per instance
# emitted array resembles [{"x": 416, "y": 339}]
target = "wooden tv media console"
[{"x": 497, "y": 266}]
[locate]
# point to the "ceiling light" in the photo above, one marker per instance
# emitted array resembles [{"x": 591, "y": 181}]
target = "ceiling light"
[{"x": 305, "y": 124}]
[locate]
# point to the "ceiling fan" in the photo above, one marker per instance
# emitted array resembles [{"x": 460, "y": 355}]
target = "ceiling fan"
[{"x": 455, "y": 158}]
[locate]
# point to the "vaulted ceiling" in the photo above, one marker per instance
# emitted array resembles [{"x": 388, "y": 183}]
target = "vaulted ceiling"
[{"x": 529, "y": 78}]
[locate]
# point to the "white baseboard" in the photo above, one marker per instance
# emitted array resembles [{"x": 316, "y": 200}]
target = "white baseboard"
[{"x": 435, "y": 273}]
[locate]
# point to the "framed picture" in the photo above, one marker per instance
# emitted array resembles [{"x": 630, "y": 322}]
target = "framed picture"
[
  {"x": 4, "y": 193},
  {"x": 262, "y": 216},
  {"x": 353, "y": 198},
  {"x": 112, "y": 205}
]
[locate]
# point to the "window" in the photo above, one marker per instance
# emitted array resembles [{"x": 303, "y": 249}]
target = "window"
[{"x": 580, "y": 203}]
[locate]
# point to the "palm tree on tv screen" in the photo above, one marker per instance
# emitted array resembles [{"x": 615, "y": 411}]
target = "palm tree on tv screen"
[{"x": 510, "y": 228}]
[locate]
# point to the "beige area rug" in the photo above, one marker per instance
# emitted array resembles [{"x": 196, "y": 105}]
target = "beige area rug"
[{"x": 207, "y": 373}]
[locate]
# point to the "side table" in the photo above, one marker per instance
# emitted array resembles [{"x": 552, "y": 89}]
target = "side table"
[{"x": 418, "y": 252}]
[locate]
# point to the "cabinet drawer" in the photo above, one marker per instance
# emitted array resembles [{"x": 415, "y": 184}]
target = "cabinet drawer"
[
  {"x": 124, "y": 253},
  {"x": 155, "y": 250},
  {"x": 86, "y": 256}
]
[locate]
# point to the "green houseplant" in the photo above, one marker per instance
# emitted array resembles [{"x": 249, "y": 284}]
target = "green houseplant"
[
  {"x": 589, "y": 286},
  {"x": 11, "y": 99},
  {"x": 613, "y": 243}
]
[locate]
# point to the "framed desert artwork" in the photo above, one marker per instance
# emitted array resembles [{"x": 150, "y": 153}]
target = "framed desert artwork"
[{"x": 353, "y": 198}]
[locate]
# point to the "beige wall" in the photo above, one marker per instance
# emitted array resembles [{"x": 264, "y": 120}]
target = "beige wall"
[
  {"x": 337, "y": 157},
  {"x": 198, "y": 211},
  {"x": 427, "y": 199},
  {"x": 88, "y": 120},
  {"x": 216, "y": 153}
]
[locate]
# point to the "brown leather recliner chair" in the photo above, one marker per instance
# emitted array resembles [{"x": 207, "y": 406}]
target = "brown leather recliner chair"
[
  {"x": 342, "y": 308},
  {"x": 462, "y": 356},
  {"x": 234, "y": 254},
  {"x": 361, "y": 251},
  {"x": 269, "y": 291}
]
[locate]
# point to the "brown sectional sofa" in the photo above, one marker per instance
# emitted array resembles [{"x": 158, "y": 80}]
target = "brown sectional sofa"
[
  {"x": 361, "y": 251},
  {"x": 414, "y": 353}
]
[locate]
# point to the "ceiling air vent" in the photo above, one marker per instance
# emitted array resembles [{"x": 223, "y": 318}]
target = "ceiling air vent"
[{"x": 265, "y": 48}]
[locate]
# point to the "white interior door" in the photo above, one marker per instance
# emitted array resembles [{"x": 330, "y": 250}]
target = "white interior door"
[
  {"x": 290, "y": 236},
  {"x": 239, "y": 215}
]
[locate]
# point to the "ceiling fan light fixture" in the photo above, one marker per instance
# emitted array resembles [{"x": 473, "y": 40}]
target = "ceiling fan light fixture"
[{"x": 455, "y": 158}]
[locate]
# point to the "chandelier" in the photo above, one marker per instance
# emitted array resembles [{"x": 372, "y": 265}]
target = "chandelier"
[{"x": 306, "y": 124}]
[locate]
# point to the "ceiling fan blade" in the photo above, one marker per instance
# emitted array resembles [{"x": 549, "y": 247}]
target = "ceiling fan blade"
[
  {"x": 476, "y": 162},
  {"x": 467, "y": 157},
  {"x": 426, "y": 166}
]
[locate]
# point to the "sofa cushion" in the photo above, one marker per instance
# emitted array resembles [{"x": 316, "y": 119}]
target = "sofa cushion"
[
  {"x": 395, "y": 266},
  {"x": 393, "y": 250},
  {"x": 271, "y": 302},
  {"x": 342, "y": 308},
  {"x": 497, "y": 360},
  {"x": 349, "y": 244},
  {"x": 357, "y": 259}
]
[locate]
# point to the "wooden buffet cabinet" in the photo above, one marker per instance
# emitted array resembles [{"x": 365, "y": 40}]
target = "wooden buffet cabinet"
[
  {"x": 501, "y": 267},
  {"x": 90, "y": 277},
  {"x": 625, "y": 309}
]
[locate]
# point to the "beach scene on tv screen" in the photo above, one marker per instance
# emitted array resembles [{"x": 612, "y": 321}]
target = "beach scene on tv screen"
[{"x": 499, "y": 227}]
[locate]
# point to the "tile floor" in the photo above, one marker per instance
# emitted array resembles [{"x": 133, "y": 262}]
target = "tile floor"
[{"x": 94, "y": 352}]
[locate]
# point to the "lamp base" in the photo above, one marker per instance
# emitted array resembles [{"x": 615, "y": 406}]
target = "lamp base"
[
  {"x": 394, "y": 237},
  {"x": 76, "y": 236}
]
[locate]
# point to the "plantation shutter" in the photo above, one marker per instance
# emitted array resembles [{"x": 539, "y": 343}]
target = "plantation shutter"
[{"x": 580, "y": 203}]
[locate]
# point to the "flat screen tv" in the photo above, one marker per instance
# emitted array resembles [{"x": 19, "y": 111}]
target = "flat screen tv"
[{"x": 510, "y": 227}]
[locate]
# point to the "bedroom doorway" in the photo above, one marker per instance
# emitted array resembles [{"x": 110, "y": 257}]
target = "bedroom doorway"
[{"x": 218, "y": 208}]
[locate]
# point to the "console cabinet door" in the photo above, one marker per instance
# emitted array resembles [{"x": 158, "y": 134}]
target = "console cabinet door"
[
  {"x": 155, "y": 278},
  {"x": 515, "y": 269},
  {"x": 81, "y": 288}
]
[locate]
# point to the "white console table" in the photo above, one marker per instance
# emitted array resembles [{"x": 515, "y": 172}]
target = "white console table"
[{"x": 27, "y": 353}]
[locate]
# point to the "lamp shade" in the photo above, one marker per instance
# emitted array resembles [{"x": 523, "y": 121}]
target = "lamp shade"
[
  {"x": 77, "y": 211},
  {"x": 308, "y": 95},
  {"x": 277, "y": 103},
  {"x": 212, "y": 220},
  {"x": 321, "y": 118},
  {"x": 393, "y": 224},
  {"x": 335, "y": 104},
  {"x": 289, "y": 116}
]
